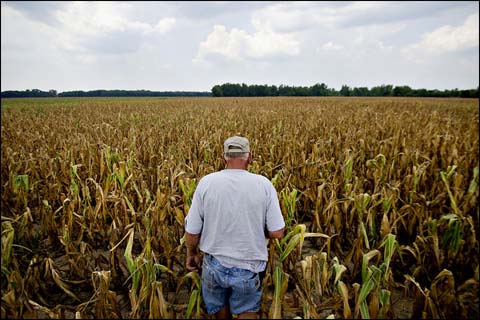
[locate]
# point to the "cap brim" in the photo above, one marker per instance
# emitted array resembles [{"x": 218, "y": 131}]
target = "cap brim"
[{"x": 236, "y": 151}]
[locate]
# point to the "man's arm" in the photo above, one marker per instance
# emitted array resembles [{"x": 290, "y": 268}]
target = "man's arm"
[
  {"x": 274, "y": 218},
  {"x": 275, "y": 234},
  {"x": 194, "y": 260},
  {"x": 193, "y": 230}
]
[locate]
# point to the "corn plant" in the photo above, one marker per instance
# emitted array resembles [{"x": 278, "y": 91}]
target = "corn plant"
[
  {"x": 280, "y": 281},
  {"x": 146, "y": 290},
  {"x": 288, "y": 243},
  {"x": 289, "y": 202},
  {"x": 195, "y": 300},
  {"x": 314, "y": 285},
  {"x": 348, "y": 175},
  {"x": 445, "y": 178},
  {"x": 105, "y": 306},
  {"x": 8, "y": 234},
  {"x": 188, "y": 189},
  {"x": 339, "y": 269},
  {"x": 374, "y": 281},
  {"x": 21, "y": 186}
]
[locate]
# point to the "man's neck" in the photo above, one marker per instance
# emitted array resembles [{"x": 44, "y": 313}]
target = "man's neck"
[
  {"x": 240, "y": 167},
  {"x": 236, "y": 164}
]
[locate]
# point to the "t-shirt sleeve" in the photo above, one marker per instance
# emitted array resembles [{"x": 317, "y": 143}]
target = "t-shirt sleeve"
[
  {"x": 194, "y": 218},
  {"x": 274, "y": 218}
]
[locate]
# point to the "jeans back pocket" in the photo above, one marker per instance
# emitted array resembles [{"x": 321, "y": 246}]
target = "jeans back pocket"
[{"x": 251, "y": 284}]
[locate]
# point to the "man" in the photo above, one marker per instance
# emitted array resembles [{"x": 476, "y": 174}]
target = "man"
[{"x": 232, "y": 212}]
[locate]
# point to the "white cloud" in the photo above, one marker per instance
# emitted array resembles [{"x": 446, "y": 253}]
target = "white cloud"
[
  {"x": 239, "y": 44},
  {"x": 91, "y": 18},
  {"x": 286, "y": 17},
  {"x": 165, "y": 25},
  {"x": 330, "y": 46},
  {"x": 88, "y": 26},
  {"x": 297, "y": 16},
  {"x": 446, "y": 39},
  {"x": 224, "y": 43}
]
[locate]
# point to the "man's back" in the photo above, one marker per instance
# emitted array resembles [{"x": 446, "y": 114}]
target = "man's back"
[{"x": 235, "y": 207}]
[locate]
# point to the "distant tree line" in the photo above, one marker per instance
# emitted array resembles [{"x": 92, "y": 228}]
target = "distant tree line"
[
  {"x": 35, "y": 93},
  {"x": 133, "y": 93},
  {"x": 243, "y": 90}
]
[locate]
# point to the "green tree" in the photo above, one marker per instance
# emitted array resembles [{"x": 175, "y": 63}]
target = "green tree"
[
  {"x": 217, "y": 91},
  {"x": 345, "y": 90},
  {"x": 402, "y": 91},
  {"x": 320, "y": 90}
]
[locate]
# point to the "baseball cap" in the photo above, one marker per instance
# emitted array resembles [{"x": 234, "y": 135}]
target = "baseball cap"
[{"x": 236, "y": 145}]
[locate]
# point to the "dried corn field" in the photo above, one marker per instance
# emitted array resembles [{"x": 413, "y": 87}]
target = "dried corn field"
[{"x": 380, "y": 197}]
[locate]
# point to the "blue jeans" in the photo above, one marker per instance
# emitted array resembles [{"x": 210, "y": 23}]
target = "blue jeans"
[{"x": 240, "y": 288}]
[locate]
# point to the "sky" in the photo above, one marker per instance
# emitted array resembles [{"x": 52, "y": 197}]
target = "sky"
[{"x": 192, "y": 46}]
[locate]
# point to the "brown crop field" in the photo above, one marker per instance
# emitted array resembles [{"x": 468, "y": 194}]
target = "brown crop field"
[{"x": 380, "y": 197}]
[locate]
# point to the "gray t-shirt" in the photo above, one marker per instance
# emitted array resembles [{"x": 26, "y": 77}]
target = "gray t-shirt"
[{"x": 231, "y": 209}]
